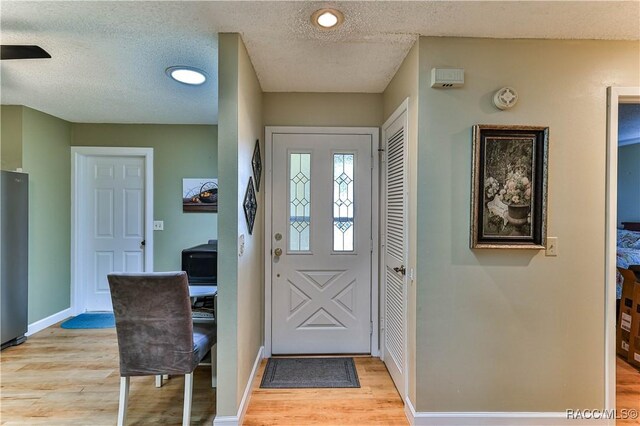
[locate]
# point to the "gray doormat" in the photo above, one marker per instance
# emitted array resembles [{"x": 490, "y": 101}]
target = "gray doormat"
[{"x": 310, "y": 373}]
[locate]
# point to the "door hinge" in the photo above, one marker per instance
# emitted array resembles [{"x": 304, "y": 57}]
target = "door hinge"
[
  {"x": 381, "y": 323},
  {"x": 371, "y": 161},
  {"x": 370, "y": 327},
  {"x": 371, "y": 245}
]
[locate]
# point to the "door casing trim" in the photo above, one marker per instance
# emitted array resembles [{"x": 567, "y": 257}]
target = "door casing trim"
[
  {"x": 374, "y": 132},
  {"x": 78, "y": 157},
  {"x": 615, "y": 96}
]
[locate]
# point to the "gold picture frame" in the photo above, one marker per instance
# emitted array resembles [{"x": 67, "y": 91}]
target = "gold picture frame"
[{"x": 509, "y": 187}]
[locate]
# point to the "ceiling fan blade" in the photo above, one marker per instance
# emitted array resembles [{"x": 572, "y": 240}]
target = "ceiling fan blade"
[{"x": 8, "y": 51}]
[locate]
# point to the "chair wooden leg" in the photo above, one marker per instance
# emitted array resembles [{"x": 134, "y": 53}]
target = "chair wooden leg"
[
  {"x": 188, "y": 396},
  {"x": 124, "y": 397},
  {"x": 214, "y": 371},
  {"x": 158, "y": 380}
]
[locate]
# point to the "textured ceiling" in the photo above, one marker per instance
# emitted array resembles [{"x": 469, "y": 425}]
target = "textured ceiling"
[
  {"x": 108, "y": 61},
  {"x": 109, "y": 57}
]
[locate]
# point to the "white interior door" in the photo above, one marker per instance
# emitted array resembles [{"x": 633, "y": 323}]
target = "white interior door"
[
  {"x": 321, "y": 239},
  {"x": 112, "y": 208},
  {"x": 395, "y": 250}
]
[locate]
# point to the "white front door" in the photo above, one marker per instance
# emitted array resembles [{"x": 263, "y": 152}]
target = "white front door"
[
  {"x": 395, "y": 249},
  {"x": 112, "y": 215},
  {"x": 322, "y": 243}
]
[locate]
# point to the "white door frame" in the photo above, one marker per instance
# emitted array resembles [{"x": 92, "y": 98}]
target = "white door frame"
[
  {"x": 375, "y": 222},
  {"x": 615, "y": 96},
  {"x": 402, "y": 108},
  {"x": 78, "y": 158}
]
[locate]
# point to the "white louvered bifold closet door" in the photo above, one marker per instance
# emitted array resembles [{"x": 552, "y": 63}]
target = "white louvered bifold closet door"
[{"x": 395, "y": 248}]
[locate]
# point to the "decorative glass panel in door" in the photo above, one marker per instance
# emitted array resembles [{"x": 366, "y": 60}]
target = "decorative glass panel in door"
[
  {"x": 299, "y": 201},
  {"x": 343, "y": 202}
]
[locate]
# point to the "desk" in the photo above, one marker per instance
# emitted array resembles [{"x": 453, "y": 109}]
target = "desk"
[
  {"x": 203, "y": 290},
  {"x": 196, "y": 291}
]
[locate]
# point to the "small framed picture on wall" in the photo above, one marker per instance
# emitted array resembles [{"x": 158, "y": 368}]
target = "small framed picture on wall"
[{"x": 200, "y": 195}]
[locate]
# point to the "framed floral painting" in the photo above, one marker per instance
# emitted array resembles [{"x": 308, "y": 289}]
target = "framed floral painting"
[{"x": 509, "y": 187}]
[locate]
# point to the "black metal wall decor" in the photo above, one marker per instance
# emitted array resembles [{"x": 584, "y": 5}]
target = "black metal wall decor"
[
  {"x": 256, "y": 162},
  {"x": 250, "y": 205}
]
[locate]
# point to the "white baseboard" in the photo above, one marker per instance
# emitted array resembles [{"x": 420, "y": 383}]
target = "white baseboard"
[
  {"x": 48, "y": 321},
  {"x": 226, "y": 421},
  {"x": 244, "y": 403},
  {"x": 495, "y": 418}
]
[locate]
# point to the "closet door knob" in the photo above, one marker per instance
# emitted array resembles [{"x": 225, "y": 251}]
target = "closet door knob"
[{"x": 401, "y": 270}]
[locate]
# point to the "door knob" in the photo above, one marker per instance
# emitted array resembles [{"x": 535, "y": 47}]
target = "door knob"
[
  {"x": 401, "y": 270},
  {"x": 278, "y": 252}
]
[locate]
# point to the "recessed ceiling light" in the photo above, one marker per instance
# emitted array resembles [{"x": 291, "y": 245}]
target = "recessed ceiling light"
[
  {"x": 327, "y": 18},
  {"x": 187, "y": 75}
]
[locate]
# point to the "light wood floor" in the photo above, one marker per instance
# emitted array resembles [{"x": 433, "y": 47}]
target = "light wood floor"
[
  {"x": 628, "y": 390},
  {"x": 376, "y": 402},
  {"x": 71, "y": 377}
]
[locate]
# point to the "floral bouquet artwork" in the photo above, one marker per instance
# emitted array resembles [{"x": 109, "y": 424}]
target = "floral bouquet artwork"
[
  {"x": 509, "y": 192},
  {"x": 511, "y": 202}
]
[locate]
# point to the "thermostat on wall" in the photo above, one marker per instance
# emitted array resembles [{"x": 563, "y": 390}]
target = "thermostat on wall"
[{"x": 447, "y": 77}]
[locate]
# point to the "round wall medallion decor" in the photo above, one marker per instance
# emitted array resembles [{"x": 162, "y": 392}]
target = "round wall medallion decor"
[{"x": 505, "y": 98}]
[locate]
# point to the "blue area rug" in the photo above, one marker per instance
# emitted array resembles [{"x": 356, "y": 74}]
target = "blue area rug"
[{"x": 91, "y": 320}]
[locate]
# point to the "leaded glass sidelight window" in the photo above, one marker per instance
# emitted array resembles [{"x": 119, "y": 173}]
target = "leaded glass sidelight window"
[
  {"x": 343, "y": 183},
  {"x": 299, "y": 201}
]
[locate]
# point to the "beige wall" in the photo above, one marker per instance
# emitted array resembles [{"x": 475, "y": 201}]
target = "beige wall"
[
  {"x": 504, "y": 330},
  {"x": 240, "y": 278},
  {"x": 227, "y": 351},
  {"x": 251, "y": 263},
  {"x": 405, "y": 85},
  {"x": 10, "y": 137},
  {"x": 322, "y": 109},
  {"x": 179, "y": 151},
  {"x": 629, "y": 183}
]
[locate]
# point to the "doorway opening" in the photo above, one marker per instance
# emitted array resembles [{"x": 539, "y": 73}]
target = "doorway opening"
[{"x": 621, "y": 101}]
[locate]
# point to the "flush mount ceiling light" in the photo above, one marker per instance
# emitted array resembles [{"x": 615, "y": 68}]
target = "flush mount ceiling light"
[
  {"x": 187, "y": 75},
  {"x": 327, "y": 18}
]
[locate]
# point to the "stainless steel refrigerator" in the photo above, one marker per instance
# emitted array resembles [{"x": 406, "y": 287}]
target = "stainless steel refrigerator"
[{"x": 14, "y": 235}]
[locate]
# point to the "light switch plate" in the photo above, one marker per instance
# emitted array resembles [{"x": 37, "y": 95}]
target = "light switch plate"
[
  {"x": 552, "y": 246},
  {"x": 158, "y": 225}
]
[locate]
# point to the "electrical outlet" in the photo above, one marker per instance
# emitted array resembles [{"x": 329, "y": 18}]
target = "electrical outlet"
[
  {"x": 552, "y": 246},
  {"x": 158, "y": 225}
]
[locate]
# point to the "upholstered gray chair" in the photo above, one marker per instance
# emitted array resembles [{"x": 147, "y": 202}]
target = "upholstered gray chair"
[{"x": 156, "y": 334}]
